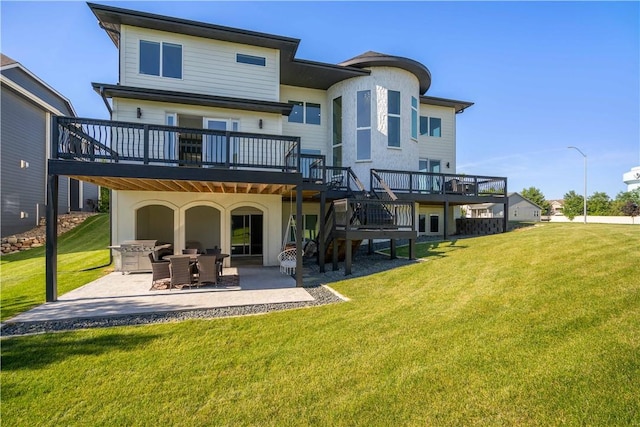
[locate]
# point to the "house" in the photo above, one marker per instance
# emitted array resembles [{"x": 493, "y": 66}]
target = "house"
[
  {"x": 223, "y": 137},
  {"x": 520, "y": 209},
  {"x": 556, "y": 206},
  {"x": 28, "y": 104}
]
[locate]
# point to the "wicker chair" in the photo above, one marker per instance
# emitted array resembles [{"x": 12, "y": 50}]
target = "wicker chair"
[
  {"x": 159, "y": 269},
  {"x": 287, "y": 260},
  {"x": 207, "y": 269},
  {"x": 180, "y": 268}
]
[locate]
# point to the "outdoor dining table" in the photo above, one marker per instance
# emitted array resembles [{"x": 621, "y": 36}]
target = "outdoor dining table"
[{"x": 194, "y": 258}]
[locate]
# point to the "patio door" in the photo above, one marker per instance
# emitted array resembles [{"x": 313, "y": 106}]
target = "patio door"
[
  {"x": 246, "y": 234},
  {"x": 214, "y": 148}
]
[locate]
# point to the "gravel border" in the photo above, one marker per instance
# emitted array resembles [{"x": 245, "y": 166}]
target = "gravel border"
[{"x": 322, "y": 295}]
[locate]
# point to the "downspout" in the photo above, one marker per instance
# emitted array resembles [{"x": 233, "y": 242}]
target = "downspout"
[{"x": 106, "y": 103}]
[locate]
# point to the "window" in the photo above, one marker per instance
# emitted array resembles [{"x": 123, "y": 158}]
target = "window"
[
  {"x": 251, "y": 60},
  {"x": 302, "y": 112},
  {"x": 414, "y": 117},
  {"x": 431, "y": 126},
  {"x": 363, "y": 125},
  {"x": 161, "y": 59},
  {"x": 309, "y": 227},
  {"x": 337, "y": 132},
  {"x": 393, "y": 118}
]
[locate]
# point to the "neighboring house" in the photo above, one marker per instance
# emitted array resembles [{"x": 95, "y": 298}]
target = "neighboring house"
[
  {"x": 632, "y": 178},
  {"x": 520, "y": 209},
  {"x": 221, "y": 137},
  {"x": 556, "y": 206},
  {"x": 27, "y": 106}
]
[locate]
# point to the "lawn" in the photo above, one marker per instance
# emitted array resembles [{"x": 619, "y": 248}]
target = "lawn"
[
  {"x": 82, "y": 257},
  {"x": 538, "y": 327}
]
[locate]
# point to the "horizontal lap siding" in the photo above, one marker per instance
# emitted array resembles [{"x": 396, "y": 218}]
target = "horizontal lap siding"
[
  {"x": 209, "y": 66},
  {"x": 443, "y": 148},
  {"x": 23, "y": 138},
  {"x": 313, "y": 137}
]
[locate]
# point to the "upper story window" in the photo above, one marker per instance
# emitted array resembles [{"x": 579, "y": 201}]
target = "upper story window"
[
  {"x": 305, "y": 112},
  {"x": 393, "y": 118},
  {"x": 414, "y": 117},
  {"x": 250, "y": 59},
  {"x": 363, "y": 125},
  {"x": 161, "y": 59},
  {"x": 431, "y": 126}
]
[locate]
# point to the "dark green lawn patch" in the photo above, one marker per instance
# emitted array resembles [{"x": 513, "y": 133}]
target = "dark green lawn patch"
[
  {"x": 539, "y": 327},
  {"x": 82, "y": 257}
]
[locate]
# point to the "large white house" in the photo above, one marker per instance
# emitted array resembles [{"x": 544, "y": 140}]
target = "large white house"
[{"x": 221, "y": 136}]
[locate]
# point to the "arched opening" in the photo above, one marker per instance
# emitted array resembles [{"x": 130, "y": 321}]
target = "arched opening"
[
  {"x": 155, "y": 222},
  {"x": 247, "y": 230},
  {"x": 202, "y": 228}
]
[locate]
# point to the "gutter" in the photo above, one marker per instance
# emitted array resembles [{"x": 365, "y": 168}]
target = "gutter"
[{"x": 106, "y": 103}]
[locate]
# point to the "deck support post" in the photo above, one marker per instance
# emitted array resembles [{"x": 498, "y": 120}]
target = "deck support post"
[
  {"x": 299, "y": 232},
  {"x": 322, "y": 227},
  {"x": 412, "y": 248},
  {"x": 392, "y": 248},
  {"x": 446, "y": 220},
  {"x": 334, "y": 254},
  {"x": 348, "y": 256},
  {"x": 51, "y": 259},
  {"x": 370, "y": 246},
  {"x": 505, "y": 224}
]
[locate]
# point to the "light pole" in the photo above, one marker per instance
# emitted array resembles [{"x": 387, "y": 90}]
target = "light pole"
[{"x": 585, "y": 182}]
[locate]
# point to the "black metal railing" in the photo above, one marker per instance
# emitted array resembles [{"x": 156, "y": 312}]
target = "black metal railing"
[
  {"x": 111, "y": 141},
  {"x": 354, "y": 214},
  {"x": 436, "y": 183}
]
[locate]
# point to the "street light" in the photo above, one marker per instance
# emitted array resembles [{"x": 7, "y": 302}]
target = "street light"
[{"x": 585, "y": 181}]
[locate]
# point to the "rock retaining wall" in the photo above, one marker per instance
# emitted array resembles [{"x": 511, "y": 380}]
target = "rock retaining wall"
[{"x": 36, "y": 237}]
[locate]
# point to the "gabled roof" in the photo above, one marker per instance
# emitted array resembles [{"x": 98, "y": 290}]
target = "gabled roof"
[{"x": 20, "y": 79}]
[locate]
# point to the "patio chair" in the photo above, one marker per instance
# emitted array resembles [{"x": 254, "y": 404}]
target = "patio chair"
[
  {"x": 287, "y": 259},
  {"x": 180, "y": 268},
  {"x": 189, "y": 251},
  {"x": 159, "y": 270},
  {"x": 208, "y": 269},
  {"x": 216, "y": 251}
]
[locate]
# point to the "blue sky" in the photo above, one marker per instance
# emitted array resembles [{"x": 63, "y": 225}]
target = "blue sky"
[{"x": 542, "y": 75}]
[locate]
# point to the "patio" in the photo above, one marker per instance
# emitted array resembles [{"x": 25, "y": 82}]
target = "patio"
[{"x": 118, "y": 295}]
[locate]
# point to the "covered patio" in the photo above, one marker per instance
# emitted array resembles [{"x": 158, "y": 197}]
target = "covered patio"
[{"x": 120, "y": 295}]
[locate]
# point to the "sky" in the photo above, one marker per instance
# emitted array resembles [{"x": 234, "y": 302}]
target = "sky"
[{"x": 543, "y": 75}]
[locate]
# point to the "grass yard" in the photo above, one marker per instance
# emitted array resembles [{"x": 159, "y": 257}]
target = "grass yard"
[
  {"x": 538, "y": 327},
  {"x": 82, "y": 257}
]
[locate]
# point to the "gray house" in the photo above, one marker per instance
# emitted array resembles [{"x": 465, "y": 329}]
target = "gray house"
[
  {"x": 520, "y": 209},
  {"x": 27, "y": 104}
]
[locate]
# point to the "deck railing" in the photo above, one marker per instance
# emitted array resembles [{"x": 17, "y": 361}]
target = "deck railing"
[
  {"x": 436, "y": 183},
  {"x": 354, "y": 214},
  {"x": 111, "y": 141}
]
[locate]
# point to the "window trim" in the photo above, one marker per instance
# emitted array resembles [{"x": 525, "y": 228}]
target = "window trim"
[
  {"x": 398, "y": 116},
  {"x": 363, "y": 128},
  {"x": 243, "y": 58},
  {"x": 414, "y": 118},
  {"x": 304, "y": 115},
  {"x": 161, "y": 68},
  {"x": 429, "y": 130}
]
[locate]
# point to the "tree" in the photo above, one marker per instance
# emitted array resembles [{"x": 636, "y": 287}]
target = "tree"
[
  {"x": 599, "y": 204},
  {"x": 622, "y": 199},
  {"x": 536, "y": 196},
  {"x": 573, "y": 205}
]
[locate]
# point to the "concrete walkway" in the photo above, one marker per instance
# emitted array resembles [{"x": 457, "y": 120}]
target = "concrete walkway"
[{"x": 117, "y": 295}]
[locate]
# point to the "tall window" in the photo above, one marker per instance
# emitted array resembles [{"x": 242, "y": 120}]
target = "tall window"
[
  {"x": 161, "y": 59},
  {"x": 393, "y": 118},
  {"x": 431, "y": 126},
  {"x": 363, "y": 125},
  {"x": 337, "y": 132},
  {"x": 414, "y": 117},
  {"x": 305, "y": 112}
]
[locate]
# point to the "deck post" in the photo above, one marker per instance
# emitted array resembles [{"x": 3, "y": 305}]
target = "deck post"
[
  {"x": 299, "y": 232},
  {"x": 347, "y": 257},
  {"x": 412, "y": 248},
  {"x": 446, "y": 220},
  {"x": 392, "y": 248},
  {"x": 51, "y": 259},
  {"x": 322, "y": 237},
  {"x": 505, "y": 224}
]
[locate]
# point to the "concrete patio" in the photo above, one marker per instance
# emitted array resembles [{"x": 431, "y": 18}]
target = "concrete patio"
[{"x": 119, "y": 295}]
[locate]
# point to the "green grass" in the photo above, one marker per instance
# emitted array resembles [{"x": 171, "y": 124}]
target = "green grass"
[
  {"x": 539, "y": 327},
  {"x": 82, "y": 257}
]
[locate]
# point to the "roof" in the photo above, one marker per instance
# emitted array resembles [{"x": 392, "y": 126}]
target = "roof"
[
  {"x": 373, "y": 59},
  {"x": 459, "y": 106},
  {"x": 23, "y": 81},
  {"x": 119, "y": 91},
  {"x": 5, "y": 60}
]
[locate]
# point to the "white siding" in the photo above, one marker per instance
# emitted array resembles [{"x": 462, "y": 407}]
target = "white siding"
[
  {"x": 209, "y": 66},
  {"x": 439, "y": 148},
  {"x": 314, "y": 137}
]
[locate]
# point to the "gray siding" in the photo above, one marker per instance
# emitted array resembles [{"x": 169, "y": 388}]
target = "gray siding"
[
  {"x": 22, "y": 138},
  {"x": 27, "y": 82}
]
